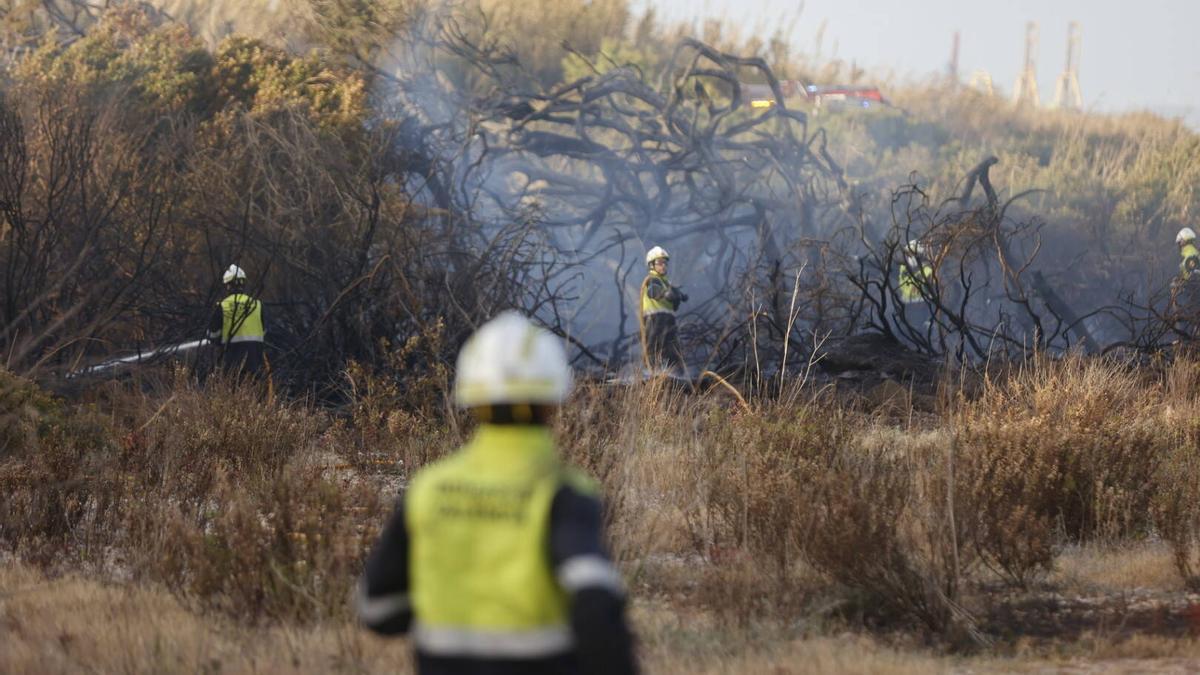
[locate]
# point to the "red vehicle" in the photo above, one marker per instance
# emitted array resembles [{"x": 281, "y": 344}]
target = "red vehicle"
[
  {"x": 844, "y": 96},
  {"x": 832, "y": 96}
]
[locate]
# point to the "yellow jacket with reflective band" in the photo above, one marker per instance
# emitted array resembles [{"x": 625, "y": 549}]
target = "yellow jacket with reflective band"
[
  {"x": 242, "y": 319},
  {"x": 478, "y": 523},
  {"x": 650, "y": 305},
  {"x": 910, "y": 290},
  {"x": 1188, "y": 252}
]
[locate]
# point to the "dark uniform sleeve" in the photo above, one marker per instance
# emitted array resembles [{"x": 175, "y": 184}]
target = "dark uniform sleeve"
[
  {"x": 674, "y": 297},
  {"x": 602, "y": 638},
  {"x": 382, "y": 597},
  {"x": 215, "y": 323},
  {"x": 656, "y": 289}
]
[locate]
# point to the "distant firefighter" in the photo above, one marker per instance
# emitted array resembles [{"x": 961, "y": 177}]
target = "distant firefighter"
[
  {"x": 1185, "y": 291},
  {"x": 1186, "y": 240},
  {"x": 915, "y": 274},
  {"x": 494, "y": 560},
  {"x": 237, "y": 324},
  {"x": 660, "y": 301}
]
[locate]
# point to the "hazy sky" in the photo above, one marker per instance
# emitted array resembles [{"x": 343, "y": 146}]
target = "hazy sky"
[{"x": 1134, "y": 54}]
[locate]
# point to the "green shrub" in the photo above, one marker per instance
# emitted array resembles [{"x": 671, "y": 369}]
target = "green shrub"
[{"x": 23, "y": 408}]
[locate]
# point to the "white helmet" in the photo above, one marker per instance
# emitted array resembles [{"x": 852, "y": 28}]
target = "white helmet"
[
  {"x": 233, "y": 273},
  {"x": 510, "y": 360},
  {"x": 656, "y": 253},
  {"x": 915, "y": 247},
  {"x": 1186, "y": 234}
]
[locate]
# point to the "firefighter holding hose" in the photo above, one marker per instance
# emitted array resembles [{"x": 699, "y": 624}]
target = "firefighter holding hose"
[{"x": 237, "y": 325}]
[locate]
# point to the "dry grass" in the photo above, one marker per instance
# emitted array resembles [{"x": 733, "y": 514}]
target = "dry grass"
[
  {"x": 1141, "y": 565},
  {"x": 49, "y": 626},
  {"x": 70, "y": 625},
  {"x": 752, "y": 537}
]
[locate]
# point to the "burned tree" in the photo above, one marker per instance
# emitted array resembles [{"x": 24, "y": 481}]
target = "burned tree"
[
  {"x": 611, "y": 164},
  {"x": 376, "y": 205},
  {"x": 986, "y": 295}
]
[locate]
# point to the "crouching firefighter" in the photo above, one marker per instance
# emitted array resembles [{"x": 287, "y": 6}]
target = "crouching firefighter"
[
  {"x": 493, "y": 560},
  {"x": 237, "y": 323},
  {"x": 660, "y": 301}
]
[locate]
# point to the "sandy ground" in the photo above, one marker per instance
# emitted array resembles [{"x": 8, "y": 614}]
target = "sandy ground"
[{"x": 71, "y": 624}]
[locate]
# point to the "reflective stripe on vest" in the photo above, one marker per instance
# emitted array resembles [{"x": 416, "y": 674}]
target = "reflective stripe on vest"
[
  {"x": 650, "y": 305},
  {"x": 590, "y": 571},
  {"x": 374, "y": 611},
  {"x": 241, "y": 319},
  {"x": 478, "y": 523},
  {"x": 496, "y": 644}
]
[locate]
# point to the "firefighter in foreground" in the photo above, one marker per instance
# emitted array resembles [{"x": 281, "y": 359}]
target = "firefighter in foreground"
[
  {"x": 660, "y": 301},
  {"x": 915, "y": 272},
  {"x": 237, "y": 323},
  {"x": 493, "y": 559}
]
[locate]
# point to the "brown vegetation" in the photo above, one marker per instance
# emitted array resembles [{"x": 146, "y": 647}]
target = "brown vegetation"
[
  {"x": 798, "y": 512},
  {"x": 1041, "y": 503}
]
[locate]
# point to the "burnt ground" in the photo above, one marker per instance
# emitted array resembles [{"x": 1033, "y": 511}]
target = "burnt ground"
[{"x": 1052, "y": 616}]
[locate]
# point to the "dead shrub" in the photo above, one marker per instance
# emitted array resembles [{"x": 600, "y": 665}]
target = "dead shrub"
[
  {"x": 1176, "y": 509},
  {"x": 1176, "y": 504},
  {"x": 288, "y": 552},
  {"x": 180, "y": 446},
  {"x": 1062, "y": 448},
  {"x": 397, "y": 409},
  {"x": 57, "y": 488},
  {"x": 882, "y": 522},
  {"x": 797, "y": 489},
  {"x": 219, "y": 493},
  {"x": 233, "y": 509},
  {"x": 761, "y": 471},
  {"x": 734, "y": 587},
  {"x": 598, "y": 422},
  {"x": 792, "y": 492}
]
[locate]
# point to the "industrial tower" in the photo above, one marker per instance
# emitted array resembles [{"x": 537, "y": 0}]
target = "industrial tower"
[
  {"x": 1025, "y": 91},
  {"x": 1066, "y": 92},
  {"x": 952, "y": 67}
]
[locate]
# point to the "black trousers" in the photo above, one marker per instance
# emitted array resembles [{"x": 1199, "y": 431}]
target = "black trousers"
[
  {"x": 662, "y": 341},
  {"x": 916, "y": 314},
  {"x": 243, "y": 358},
  {"x": 1187, "y": 306}
]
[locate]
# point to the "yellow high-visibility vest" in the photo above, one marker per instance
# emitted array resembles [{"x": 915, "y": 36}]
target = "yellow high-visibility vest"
[
  {"x": 1190, "y": 262},
  {"x": 650, "y": 305},
  {"x": 242, "y": 319},
  {"x": 478, "y": 522},
  {"x": 910, "y": 289}
]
